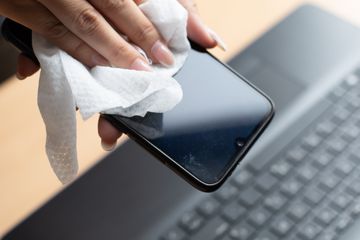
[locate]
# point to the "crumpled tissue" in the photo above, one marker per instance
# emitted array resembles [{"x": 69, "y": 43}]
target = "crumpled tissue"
[{"x": 65, "y": 84}]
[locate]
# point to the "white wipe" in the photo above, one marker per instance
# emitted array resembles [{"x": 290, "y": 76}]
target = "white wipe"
[{"x": 66, "y": 83}]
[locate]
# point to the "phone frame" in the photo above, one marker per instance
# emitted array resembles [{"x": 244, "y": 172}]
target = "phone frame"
[
  {"x": 176, "y": 167},
  {"x": 20, "y": 37}
]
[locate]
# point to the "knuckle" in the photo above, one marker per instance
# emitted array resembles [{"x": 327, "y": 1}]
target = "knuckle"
[
  {"x": 77, "y": 50},
  {"x": 145, "y": 32},
  {"x": 87, "y": 22},
  {"x": 122, "y": 56},
  {"x": 190, "y": 5},
  {"x": 54, "y": 30},
  {"x": 82, "y": 53},
  {"x": 113, "y": 4},
  {"x": 118, "y": 53},
  {"x": 193, "y": 8}
]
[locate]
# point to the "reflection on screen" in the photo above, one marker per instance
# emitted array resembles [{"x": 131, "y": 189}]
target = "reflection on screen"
[{"x": 200, "y": 133}]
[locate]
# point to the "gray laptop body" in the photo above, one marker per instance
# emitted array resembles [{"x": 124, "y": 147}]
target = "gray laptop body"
[{"x": 308, "y": 64}]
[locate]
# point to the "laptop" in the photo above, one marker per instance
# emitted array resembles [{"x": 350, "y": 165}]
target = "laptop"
[{"x": 300, "y": 181}]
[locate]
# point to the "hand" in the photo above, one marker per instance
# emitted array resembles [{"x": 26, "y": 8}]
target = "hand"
[{"x": 79, "y": 27}]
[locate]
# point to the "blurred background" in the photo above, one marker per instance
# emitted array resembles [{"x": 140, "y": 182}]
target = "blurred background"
[{"x": 26, "y": 179}]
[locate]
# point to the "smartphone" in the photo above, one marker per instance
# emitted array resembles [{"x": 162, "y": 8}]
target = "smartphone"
[{"x": 207, "y": 134}]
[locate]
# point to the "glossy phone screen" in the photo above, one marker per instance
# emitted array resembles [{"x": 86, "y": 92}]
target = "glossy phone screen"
[{"x": 215, "y": 120}]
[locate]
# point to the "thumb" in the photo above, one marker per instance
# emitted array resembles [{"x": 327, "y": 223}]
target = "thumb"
[
  {"x": 25, "y": 67},
  {"x": 197, "y": 30}
]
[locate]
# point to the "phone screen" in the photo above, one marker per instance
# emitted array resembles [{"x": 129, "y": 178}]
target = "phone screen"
[{"x": 217, "y": 117}]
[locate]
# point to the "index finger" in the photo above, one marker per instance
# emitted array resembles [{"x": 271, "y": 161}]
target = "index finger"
[
  {"x": 127, "y": 17},
  {"x": 196, "y": 29}
]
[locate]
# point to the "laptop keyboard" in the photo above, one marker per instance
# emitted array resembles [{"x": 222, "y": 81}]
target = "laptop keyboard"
[{"x": 308, "y": 191}]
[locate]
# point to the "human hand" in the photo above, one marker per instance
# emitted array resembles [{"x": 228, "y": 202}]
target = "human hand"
[
  {"x": 199, "y": 33},
  {"x": 87, "y": 29}
]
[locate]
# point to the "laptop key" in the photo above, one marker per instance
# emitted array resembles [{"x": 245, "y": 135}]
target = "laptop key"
[
  {"x": 250, "y": 196},
  {"x": 309, "y": 231},
  {"x": 226, "y": 193},
  {"x": 342, "y": 200},
  {"x": 354, "y": 187},
  {"x": 329, "y": 182},
  {"x": 343, "y": 223},
  {"x": 321, "y": 158},
  {"x": 233, "y": 212},
  {"x": 350, "y": 132},
  {"x": 355, "y": 156},
  {"x": 298, "y": 210},
  {"x": 242, "y": 231},
  {"x": 307, "y": 172},
  {"x": 351, "y": 81},
  {"x": 314, "y": 195},
  {"x": 191, "y": 221},
  {"x": 344, "y": 167},
  {"x": 311, "y": 141},
  {"x": 291, "y": 187},
  {"x": 214, "y": 229},
  {"x": 208, "y": 207},
  {"x": 344, "y": 103},
  {"x": 357, "y": 118},
  {"x": 242, "y": 178},
  {"x": 259, "y": 216},
  {"x": 282, "y": 226},
  {"x": 353, "y": 100},
  {"x": 280, "y": 169},
  {"x": 339, "y": 115},
  {"x": 325, "y": 128},
  {"x": 296, "y": 155},
  {"x": 265, "y": 182},
  {"x": 257, "y": 164},
  {"x": 174, "y": 233},
  {"x": 355, "y": 210},
  {"x": 326, "y": 216},
  {"x": 275, "y": 201},
  {"x": 336, "y": 145},
  {"x": 337, "y": 93}
]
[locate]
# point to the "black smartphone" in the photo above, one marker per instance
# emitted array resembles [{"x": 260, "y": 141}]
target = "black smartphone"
[{"x": 208, "y": 133}]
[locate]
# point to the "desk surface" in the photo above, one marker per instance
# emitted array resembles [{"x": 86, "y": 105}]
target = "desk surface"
[{"x": 26, "y": 180}]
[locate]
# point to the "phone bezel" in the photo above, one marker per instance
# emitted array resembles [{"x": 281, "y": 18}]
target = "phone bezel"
[{"x": 176, "y": 167}]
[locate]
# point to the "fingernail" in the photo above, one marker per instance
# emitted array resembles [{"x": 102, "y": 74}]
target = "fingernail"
[
  {"x": 19, "y": 76},
  {"x": 142, "y": 52},
  {"x": 220, "y": 43},
  {"x": 107, "y": 147},
  {"x": 140, "y": 65},
  {"x": 99, "y": 60},
  {"x": 162, "y": 54}
]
